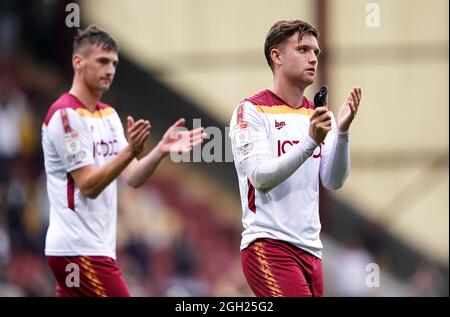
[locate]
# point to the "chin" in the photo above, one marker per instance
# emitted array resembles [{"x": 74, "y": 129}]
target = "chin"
[
  {"x": 103, "y": 88},
  {"x": 307, "y": 82}
]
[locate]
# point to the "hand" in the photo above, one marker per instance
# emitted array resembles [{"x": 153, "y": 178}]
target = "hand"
[
  {"x": 138, "y": 133},
  {"x": 320, "y": 124},
  {"x": 349, "y": 109},
  {"x": 178, "y": 139}
]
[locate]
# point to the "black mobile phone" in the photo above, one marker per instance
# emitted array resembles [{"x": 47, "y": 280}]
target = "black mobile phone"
[{"x": 321, "y": 97}]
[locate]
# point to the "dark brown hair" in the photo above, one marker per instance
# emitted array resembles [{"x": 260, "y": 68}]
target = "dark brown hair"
[
  {"x": 284, "y": 29},
  {"x": 93, "y": 35}
]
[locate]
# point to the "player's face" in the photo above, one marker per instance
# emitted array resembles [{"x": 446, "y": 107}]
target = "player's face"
[
  {"x": 299, "y": 59},
  {"x": 99, "y": 68}
]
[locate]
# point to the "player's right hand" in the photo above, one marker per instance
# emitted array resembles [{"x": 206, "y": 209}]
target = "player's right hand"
[
  {"x": 320, "y": 124},
  {"x": 138, "y": 133}
]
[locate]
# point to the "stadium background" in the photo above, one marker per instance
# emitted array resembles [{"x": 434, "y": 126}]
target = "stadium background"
[{"x": 180, "y": 234}]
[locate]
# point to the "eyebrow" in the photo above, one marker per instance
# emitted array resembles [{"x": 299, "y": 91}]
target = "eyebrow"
[{"x": 104, "y": 58}]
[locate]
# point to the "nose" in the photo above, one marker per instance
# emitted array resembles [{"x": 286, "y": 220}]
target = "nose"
[
  {"x": 111, "y": 69},
  {"x": 313, "y": 59}
]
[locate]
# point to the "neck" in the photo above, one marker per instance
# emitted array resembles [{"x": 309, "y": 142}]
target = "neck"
[
  {"x": 289, "y": 92},
  {"x": 85, "y": 95}
]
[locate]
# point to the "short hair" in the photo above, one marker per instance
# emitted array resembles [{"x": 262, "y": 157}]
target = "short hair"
[
  {"x": 93, "y": 35},
  {"x": 284, "y": 29}
]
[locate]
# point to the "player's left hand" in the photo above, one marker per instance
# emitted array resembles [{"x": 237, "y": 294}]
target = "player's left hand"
[
  {"x": 349, "y": 109},
  {"x": 177, "y": 139},
  {"x": 138, "y": 133}
]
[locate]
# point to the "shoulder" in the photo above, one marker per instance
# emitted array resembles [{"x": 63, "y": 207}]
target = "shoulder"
[
  {"x": 247, "y": 110},
  {"x": 251, "y": 103},
  {"x": 258, "y": 99},
  {"x": 64, "y": 102},
  {"x": 261, "y": 102},
  {"x": 263, "y": 98},
  {"x": 67, "y": 101}
]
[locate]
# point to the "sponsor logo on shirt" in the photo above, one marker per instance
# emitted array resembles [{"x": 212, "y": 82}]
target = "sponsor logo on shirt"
[
  {"x": 104, "y": 148},
  {"x": 285, "y": 145},
  {"x": 279, "y": 124}
]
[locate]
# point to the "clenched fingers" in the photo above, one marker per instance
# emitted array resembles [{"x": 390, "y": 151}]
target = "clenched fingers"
[{"x": 318, "y": 112}]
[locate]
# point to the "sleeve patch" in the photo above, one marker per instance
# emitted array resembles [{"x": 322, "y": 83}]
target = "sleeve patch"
[
  {"x": 72, "y": 142},
  {"x": 241, "y": 134}
]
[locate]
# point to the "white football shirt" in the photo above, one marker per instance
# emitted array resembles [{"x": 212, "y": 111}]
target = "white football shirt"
[
  {"x": 265, "y": 125},
  {"x": 73, "y": 137}
]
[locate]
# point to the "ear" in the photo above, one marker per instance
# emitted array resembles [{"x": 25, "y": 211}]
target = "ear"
[
  {"x": 275, "y": 54},
  {"x": 77, "y": 61}
]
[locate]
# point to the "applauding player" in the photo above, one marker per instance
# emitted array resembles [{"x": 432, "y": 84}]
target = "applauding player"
[
  {"x": 281, "y": 145},
  {"x": 85, "y": 150}
]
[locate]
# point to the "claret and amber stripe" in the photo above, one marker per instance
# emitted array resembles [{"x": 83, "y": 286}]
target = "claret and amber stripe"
[
  {"x": 283, "y": 109},
  {"x": 272, "y": 283}
]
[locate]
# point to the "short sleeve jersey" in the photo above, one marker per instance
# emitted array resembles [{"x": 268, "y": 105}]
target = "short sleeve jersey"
[{"x": 74, "y": 137}]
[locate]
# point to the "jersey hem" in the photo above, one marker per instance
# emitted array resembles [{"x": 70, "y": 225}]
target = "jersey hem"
[
  {"x": 83, "y": 253},
  {"x": 317, "y": 254}
]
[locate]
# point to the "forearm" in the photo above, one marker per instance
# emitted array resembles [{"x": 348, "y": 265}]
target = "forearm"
[
  {"x": 267, "y": 174},
  {"x": 95, "y": 179},
  {"x": 140, "y": 171},
  {"x": 336, "y": 165}
]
